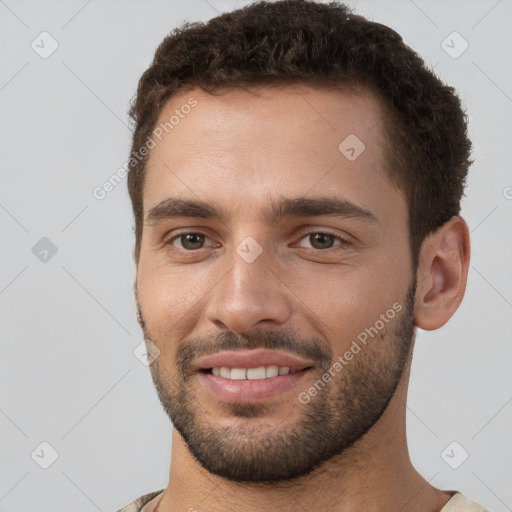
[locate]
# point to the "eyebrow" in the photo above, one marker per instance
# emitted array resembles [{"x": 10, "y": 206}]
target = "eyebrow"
[{"x": 283, "y": 208}]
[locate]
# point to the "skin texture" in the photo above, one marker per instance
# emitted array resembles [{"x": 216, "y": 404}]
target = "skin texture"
[{"x": 241, "y": 151}]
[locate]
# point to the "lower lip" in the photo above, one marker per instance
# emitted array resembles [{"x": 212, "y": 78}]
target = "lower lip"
[{"x": 250, "y": 390}]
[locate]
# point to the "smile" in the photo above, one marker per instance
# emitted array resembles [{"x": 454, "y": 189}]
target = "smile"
[
  {"x": 250, "y": 375},
  {"x": 260, "y": 372}
]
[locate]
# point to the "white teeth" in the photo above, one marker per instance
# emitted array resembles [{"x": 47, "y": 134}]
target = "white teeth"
[
  {"x": 225, "y": 372},
  {"x": 261, "y": 372},
  {"x": 238, "y": 373},
  {"x": 272, "y": 371},
  {"x": 256, "y": 373}
]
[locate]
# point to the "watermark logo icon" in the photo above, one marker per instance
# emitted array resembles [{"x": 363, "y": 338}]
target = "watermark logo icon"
[
  {"x": 44, "y": 45},
  {"x": 352, "y": 147},
  {"x": 146, "y": 352},
  {"x": 44, "y": 250},
  {"x": 249, "y": 249},
  {"x": 454, "y": 455},
  {"x": 44, "y": 455},
  {"x": 454, "y": 45}
]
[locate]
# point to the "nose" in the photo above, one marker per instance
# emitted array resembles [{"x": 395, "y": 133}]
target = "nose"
[{"x": 249, "y": 294}]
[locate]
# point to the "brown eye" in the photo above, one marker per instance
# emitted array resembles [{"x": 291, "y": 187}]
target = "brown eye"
[
  {"x": 321, "y": 240},
  {"x": 190, "y": 241}
]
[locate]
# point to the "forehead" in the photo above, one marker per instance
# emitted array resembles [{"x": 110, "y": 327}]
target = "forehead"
[
  {"x": 232, "y": 114},
  {"x": 245, "y": 146}
]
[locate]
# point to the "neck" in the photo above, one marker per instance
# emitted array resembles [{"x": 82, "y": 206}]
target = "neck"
[{"x": 374, "y": 474}]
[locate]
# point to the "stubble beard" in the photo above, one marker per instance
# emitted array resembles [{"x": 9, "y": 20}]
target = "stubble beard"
[{"x": 251, "y": 450}]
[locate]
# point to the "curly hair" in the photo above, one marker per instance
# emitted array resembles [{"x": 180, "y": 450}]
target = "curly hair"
[{"x": 427, "y": 153}]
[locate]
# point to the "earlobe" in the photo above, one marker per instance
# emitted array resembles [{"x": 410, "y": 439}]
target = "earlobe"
[{"x": 442, "y": 274}]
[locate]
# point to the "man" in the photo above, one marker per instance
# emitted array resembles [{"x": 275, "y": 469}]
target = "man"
[{"x": 296, "y": 175}]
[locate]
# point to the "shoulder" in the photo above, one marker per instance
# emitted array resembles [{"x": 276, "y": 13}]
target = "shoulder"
[
  {"x": 459, "y": 503},
  {"x": 136, "y": 506}
]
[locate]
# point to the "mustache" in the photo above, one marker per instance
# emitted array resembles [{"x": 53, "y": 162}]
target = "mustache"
[{"x": 306, "y": 347}]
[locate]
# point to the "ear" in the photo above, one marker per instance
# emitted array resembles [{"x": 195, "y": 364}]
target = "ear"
[{"x": 442, "y": 274}]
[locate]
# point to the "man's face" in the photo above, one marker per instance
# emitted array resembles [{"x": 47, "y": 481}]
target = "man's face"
[{"x": 297, "y": 286}]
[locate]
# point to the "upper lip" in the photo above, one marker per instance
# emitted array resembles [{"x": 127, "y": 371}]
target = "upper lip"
[{"x": 252, "y": 359}]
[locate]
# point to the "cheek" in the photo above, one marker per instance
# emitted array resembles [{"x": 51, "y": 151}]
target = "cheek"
[
  {"x": 342, "y": 303},
  {"x": 160, "y": 309},
  {"x": 171, "y": 297}
]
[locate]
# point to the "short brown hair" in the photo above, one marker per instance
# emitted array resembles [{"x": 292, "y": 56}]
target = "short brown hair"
[{"x": 292, "y": 41}]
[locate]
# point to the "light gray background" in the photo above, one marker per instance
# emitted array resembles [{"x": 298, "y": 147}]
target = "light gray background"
[{"x": 68, "y": 375}]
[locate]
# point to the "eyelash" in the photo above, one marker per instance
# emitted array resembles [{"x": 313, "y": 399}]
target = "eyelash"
[{"x": 342, "y": 245}]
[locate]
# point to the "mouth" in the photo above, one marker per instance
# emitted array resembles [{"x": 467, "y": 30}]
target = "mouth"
[
  {"x": 251, "y": 376},
  {"x": 259, "y": 372}
]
